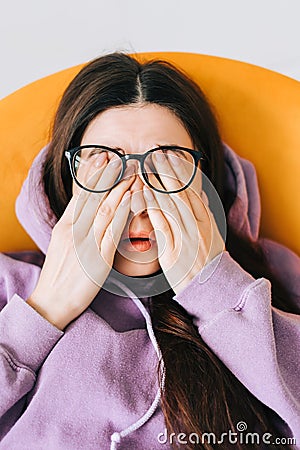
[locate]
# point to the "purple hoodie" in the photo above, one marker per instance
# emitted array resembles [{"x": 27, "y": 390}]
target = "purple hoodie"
[{"x": 94, "y": 385}]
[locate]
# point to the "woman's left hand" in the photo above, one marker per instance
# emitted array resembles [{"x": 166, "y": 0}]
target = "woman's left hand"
[{"x": 187, "y": 235}]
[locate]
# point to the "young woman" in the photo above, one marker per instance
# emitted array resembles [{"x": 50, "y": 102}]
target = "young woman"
[{"x": 141, "y": 330}]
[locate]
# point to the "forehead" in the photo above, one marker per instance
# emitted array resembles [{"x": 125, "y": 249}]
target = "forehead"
[{"x": 143, "y": 125}]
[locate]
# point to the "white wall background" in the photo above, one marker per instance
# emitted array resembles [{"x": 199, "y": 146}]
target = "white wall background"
[{"x": 41, "y": 37}]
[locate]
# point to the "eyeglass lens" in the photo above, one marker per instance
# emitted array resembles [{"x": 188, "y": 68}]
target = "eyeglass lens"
[{"x": 164, "y": 170}]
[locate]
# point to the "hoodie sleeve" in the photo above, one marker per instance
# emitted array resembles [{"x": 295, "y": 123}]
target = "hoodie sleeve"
[
  {"x": 26, "y": 338},
  {"x": 257, "y": 342}
]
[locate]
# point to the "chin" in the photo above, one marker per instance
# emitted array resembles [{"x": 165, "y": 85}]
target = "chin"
[{"x": 135, "y": 268}]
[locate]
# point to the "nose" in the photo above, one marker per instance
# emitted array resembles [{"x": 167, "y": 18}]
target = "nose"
[{"x": 138, "y": 204}]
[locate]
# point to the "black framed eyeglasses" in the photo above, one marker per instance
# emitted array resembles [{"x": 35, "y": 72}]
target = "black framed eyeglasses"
[{"x": 160, "y": 167}]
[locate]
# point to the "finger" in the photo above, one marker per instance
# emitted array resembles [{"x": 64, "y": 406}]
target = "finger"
[
  {"x": 204, "y": 198},
  {"x": 165, "y": 174},
  {"x": 177, "y": 204},
  {"x": 89, "y": 171},
  {"x": 102, "y": 204},
  {"x": 161, "y": 226},
  {"x": 112, "y": 235},
  {"x": 176, "y": 166},
  {"x": 108, "y": 207},
  {"x": 70, "y": 210},
  {"x": 154, "y": 181},
  {"x": 105, "y": 176},
  {"x": 101, "y": 171},
  {"x": 171, "y": 209},
  {"x": 196, "y": 195},
  {"x": 137, "y": 199},
  {"x": 189, "y": 204},
  {"x": 174, "y": 170},
  {"x": 137, "y": 202},
  {"x": 87, "y": 247}
]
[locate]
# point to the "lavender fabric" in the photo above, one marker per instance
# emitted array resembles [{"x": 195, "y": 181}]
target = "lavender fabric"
[{"x": 73, "y": 389}]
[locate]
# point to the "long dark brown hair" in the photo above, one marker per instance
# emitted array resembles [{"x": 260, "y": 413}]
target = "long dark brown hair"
[{"x": 201, "y": 394}]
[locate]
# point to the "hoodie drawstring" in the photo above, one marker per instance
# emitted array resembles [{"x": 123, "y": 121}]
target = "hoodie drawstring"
[{"x": 117, "y": 436}]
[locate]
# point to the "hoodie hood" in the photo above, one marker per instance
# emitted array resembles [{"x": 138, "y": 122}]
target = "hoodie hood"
[
  {"x": 37, "y": 218},
  {"x": 241, "y": 184}
]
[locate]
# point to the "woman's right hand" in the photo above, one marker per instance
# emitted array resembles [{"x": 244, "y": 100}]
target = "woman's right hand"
[{"x": 81, "y": 251}]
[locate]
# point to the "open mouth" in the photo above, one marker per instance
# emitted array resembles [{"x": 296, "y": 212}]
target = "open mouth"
[{"x": 138, "y": 243}]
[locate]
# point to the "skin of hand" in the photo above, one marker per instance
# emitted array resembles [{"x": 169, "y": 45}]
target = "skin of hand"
[
  {"x": 89, "y": 229},
  {"x": 186, "y": 232}
]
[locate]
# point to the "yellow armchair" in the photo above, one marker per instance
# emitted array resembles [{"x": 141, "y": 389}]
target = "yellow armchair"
[{"x": 259, "y": 116}]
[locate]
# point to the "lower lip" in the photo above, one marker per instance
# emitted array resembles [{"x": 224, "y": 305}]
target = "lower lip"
[{"x": 137, "y": 246}]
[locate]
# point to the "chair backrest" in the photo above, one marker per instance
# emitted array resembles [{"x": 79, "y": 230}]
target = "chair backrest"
[{"x": 259, "y": 116}]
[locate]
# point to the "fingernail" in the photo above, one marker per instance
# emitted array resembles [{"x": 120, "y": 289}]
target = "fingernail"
[
  {"x": 148, "y": 194},
  {"x": 160, "y": 156},
  {"x": 115, "y": 163},
  {"x": 175, "y": 160}
]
